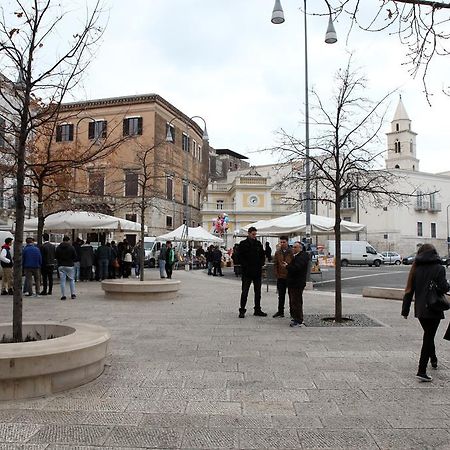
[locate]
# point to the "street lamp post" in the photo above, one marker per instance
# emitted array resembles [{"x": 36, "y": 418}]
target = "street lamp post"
[
  {"x": 169, "y": 138},
  {"x": 330, "y": 38},
  {"x": 448, "y": 234}
]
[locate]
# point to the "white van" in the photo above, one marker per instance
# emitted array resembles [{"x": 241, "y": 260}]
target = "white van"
[
  {"x": 151, "y": 251},
  {"x": 357, "y": 252}
]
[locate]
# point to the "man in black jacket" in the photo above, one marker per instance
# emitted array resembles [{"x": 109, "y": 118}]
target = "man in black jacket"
[
  {"x": 296, "y": 282},
  {"x": 48, "y": 265},
  {"x": 66, "y": 257},
  {"x": 252, "y": 259}
]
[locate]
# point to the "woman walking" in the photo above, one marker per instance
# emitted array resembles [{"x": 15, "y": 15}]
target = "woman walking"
[{"x": 425, "y": 269}]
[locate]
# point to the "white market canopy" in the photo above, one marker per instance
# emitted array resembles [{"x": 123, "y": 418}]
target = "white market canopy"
[
  {"x": 295, "y": 224},
  {"x": 198, "y": 234},
  {"x": 82, "y": 220}
]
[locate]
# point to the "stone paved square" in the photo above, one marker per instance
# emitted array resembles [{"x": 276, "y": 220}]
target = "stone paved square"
[{"x": 189, "y": 374}]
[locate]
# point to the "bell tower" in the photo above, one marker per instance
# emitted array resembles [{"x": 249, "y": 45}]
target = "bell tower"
[{"x": 401, "y": 142}]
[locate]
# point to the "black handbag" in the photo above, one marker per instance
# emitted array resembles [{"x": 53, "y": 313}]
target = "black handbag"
[{"x": 436, "y": 302}]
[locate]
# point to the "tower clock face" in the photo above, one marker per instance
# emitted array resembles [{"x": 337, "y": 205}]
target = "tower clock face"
[{"x": 253, "y": 200}]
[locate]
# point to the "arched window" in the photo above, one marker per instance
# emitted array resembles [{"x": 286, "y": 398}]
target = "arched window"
[
  {"x": 397, "y": 146},
  {"x": 397, "y": 127},
  {"x": 397, "y": 166},
  {"x": 411, "y": 146}
]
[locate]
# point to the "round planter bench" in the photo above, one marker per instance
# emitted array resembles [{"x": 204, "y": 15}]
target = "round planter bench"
[
  {"x": 75, "y": 356},
  {"x": 128, "y": 289}
]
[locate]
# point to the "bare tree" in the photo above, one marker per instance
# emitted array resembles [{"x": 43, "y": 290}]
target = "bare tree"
[
  {"x": 45, "y": 76},
  {"x": 343, "y": 155},
  {"x": 422, "y": 26}
]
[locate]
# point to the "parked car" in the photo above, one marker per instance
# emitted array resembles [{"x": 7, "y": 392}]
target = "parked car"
[
  {"x": 392, "y": 258},
  {"x": 409, "y": 259}
]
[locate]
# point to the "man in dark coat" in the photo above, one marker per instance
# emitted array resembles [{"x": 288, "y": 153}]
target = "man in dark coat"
[
  {"x": 252, "y": 259},
  {"x": 296, "y": 281},
  {"x": 48, "y": 265}
]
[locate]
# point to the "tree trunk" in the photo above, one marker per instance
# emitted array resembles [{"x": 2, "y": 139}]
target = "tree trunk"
[
  {"x": 337, "y": 272},
  {"x": 40, "y": 214},
  {"x": 142, "y": 251},
  {"x": 18, "y": 234}
]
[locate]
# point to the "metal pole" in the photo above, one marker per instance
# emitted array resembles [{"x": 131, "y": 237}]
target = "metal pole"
[
  {"x": 307, "y": 165},
  {"x": 448, "y": 234}
]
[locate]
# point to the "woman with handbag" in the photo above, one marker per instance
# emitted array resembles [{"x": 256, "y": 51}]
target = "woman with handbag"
[{"x": 426, "y": 271}]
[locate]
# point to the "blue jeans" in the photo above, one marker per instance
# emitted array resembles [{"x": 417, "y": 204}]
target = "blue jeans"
[
  {"x": 103, "y": 268},
  {"x": 67, "y": 272},
  {"x": 162, "y": 268},
  {"x": 76, "y": 266}
]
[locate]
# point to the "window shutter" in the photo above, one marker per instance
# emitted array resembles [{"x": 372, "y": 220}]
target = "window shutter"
[
  {"x": 139, "y": 131},
  {"x": 71, "y": 132},
  {"x": 104, "y": 128},
  {"x": 58, "y": 133},
  {"x": 91, "y": 131},
  {"x": 126, "y": 125}
]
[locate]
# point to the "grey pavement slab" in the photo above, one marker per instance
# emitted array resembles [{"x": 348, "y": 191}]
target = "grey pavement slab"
[{"x": 187, "y": 373}]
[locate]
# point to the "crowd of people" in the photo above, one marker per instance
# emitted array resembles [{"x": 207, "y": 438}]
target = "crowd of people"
[{"x": 73, "y": 262}]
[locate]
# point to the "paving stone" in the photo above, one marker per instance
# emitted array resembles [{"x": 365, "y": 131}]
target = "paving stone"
[
  {"x": 296, "y": 422},
  {"x": 205, "y": 384},
  {"x": 51, "y": 417},
  {"x": 317, "y": 409},
  {"x": 17, "y": 432},
  {"x": 162, "y": 383},
  {"x": 218, "y": 375},
  {"x": 336, "y": 439},
  {"x": 134, "y": 392},
  {"x": 341, "y": 422},
  {"x": 145, "y": 438},
  {"x": 324, "y": 395},
  {"x": 240, "y": 395},
  {"x": 24, "y": 404},
  {"x": 210, "y": 438},
  {"x": 268, "y": 438},
  {"x": 224, "y": 421},
  {"x": 158, "y": 406},
  {"x": 113, "y": 418},
  {"x": 174, "y": 420},
  {"x": 71, "y": 434},
  {"x": 270, "y": 408},
  {"x": 211, "y": 407},
  {"x": 286, "y": 395},
  {"x": 8, "y": 415},
  {"x": 418, "y": 422},
  {"x": 412, "y": 439},
  {"x": 195, "y": 394},
  {"x": 86, "y": 404},
  {"x": 23, "y": 446}
]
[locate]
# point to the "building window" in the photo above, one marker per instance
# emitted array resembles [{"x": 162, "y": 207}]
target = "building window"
[
  {"x": 411, "y": 146},
  {"x": 219, "y": 204},
  {"x": 349, "y": 201},
  {"x": 419, "y": 229},
  {"x": 132, "y": 126},
  {"x": 433, "y": 201},
  {"x": 172, "y": 131},
  {"x": 397, "y": 147},
  {"x": 169, "y": 188},
  {"x": 2, "y": 132},
  {"x": 419, "y": 199},
  {"x": 185, "y": 193},
  {"x": 194, "y": 149},
  {"x": 194, "y": 197},
  {"x": 433, "y": 230},
  {"x": 97, "y": 129},
  {"x": 131, "y": 184},
  {"x": 169, "y": 222},
  {"x": 185, "y": 142},
  {"x": 64, "y": 132},
  {"x": 396, "y": 127},
  {"x": 199, "y": 199},
  {"x": 132, "y": 217},
  {"x": 347, "y": 218},
  {"x": 96, "y": 181}
]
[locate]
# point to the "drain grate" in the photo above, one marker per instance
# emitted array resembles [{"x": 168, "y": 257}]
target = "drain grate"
[{"x": 356, "y": 320}]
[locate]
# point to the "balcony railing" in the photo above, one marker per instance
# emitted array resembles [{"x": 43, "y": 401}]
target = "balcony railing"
[
  {"x": 434, "y": 207},
  {"x": 421, "y": 206}
]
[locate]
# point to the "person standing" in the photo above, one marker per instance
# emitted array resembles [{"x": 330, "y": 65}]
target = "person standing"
[
  {"x": 7, "y": 267},
  {"x": 297, "y": 269},
  {"x": 31, "y": 263},
  {"x": 113, "y": 262},
  {"x": 425, "y": 269},
  {"x": 217, "y": 261},
  {"x": 77, "y": 265},
  {"x": 282, "y": 255},
  {"x": 170, "y": 259},
  {"x": 268, "y": 252},
  {"x": 66, "y": 257},
  {"x": 137, "y": 259},
  {"x": 86, "y": 261},
  {"x": 127, "y": 259},
  {"x": 48, "y": 265},
  {"x": 252, "y": 259},
  {"x": 103, "y": 255},
  {"x": 210, "y": 259},
  {"x": 162, "y": 261}
]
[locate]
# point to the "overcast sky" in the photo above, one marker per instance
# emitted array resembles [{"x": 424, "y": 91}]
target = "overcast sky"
[{"x": 225, "y": 61}]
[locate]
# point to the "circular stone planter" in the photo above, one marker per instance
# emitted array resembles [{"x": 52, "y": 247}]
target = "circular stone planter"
[
  {"x": 32, "y": 369},
  {"x": 126, "y": 289}
]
